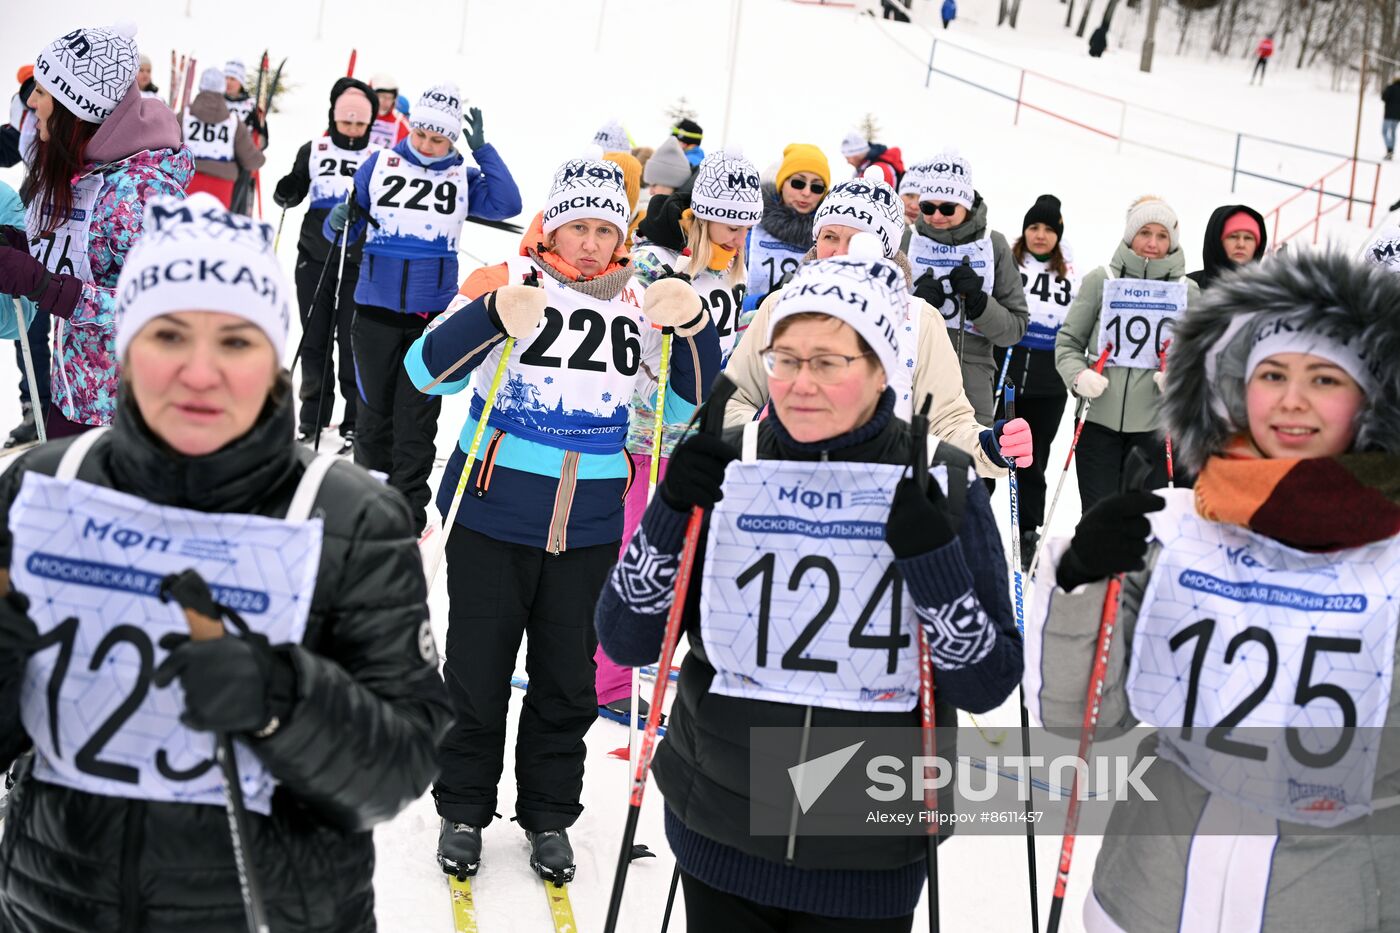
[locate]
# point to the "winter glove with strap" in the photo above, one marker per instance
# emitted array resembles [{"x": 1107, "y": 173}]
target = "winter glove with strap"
[
  {"x": 232, "y": 684},
  {"x": 1111, "y": 538},
  {"x": 516, "y": 310},
  {"x": 695, "y": 473},
  {"x": 23, "y": 276},
  {"x": 929, "y": 287},
  {"x": 918, "y": 521},
  {"x": 18, "y": 638},
  {"x": 963, "y": 281}
]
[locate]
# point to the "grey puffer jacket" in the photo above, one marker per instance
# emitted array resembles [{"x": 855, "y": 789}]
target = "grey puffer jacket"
[
  {"x": 359, "y": 745},
  {"x": 1006, "y": 317},
  {"x": 1290, "y": 878}
]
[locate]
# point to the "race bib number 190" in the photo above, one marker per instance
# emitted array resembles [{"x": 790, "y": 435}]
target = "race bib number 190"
[
  {"x": 91, "y": 560},
  {"x": 1137, "y": 318}
]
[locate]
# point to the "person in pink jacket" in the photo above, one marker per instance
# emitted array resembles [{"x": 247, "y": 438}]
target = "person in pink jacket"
[{"x": 103, "y": 151}]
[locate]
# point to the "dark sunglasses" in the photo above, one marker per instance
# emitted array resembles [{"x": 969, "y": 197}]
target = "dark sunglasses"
[
  {"x": 947, "y": 208},
  {"x": 798, "y": 184}
]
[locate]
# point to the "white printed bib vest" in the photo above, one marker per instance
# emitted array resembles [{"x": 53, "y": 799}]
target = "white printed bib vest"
[
  {"x": 1136, "y": 320},
  {"x": 570, "y": 382},
  {"x": 802, "y": 602},
  {"x": 926, "y": 254},
  {"x": 210, "y": 141},
  {"x": 1267, "y": 667},
  {"x": 91, "y": 560},
  {"x": 410, "y": 203}
]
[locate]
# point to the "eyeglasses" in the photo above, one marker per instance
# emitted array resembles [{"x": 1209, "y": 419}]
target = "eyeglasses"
[
  {"x": 826, "y": 368},
  {"x": 947, "y": 208},
  {"x": 797, "y": 184}
]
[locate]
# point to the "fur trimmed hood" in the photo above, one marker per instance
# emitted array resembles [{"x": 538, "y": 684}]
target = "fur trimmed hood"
[{"x": 1203, "y": 405}]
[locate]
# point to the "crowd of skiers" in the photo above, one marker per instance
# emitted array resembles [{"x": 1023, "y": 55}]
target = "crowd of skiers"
[{"x": 628, "y": 365}]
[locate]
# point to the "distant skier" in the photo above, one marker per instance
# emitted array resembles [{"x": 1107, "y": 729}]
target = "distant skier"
[
  {"x": 689, "y": 134},
  {"x": 1265, "y": 51},
  {"x": 1098, "y": 42},
  {"x": 1391, "y": 98},
  {"x": 221, "y": 144},
  {"x": 873, "y": 160},
  {"x": 950, "y": 12},
  {"x": 390, "y": 127},
  {"x": 143, "y": 79}
]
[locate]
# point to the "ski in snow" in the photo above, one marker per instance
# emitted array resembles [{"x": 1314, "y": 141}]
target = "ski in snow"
[
  {"x": 560, "y": 910},
  {"x": 463, "y": 904}
]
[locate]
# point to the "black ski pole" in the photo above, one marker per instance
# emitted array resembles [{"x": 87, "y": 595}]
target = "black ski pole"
[
  {"x": 671, "y": 898},
  {"x": 204, "y": 628},
  {"x": 1018, "y": 595},
  {"x": 330, "y": 341},
  {"x": 918, "y": 431}
]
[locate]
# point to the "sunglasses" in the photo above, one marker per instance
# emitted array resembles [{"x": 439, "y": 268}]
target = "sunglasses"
[
  {"x": 797, "y": 184},
  {"x": 947, "y": 208}
]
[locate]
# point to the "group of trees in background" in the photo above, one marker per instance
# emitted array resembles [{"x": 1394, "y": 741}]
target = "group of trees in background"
[{"x": 1306, "y": 33}]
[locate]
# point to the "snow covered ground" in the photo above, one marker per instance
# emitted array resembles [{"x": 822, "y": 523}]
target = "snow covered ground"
[{"x": 547, "y": 73}]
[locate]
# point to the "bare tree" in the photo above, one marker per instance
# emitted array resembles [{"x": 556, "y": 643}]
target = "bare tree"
[
  {"x": 1312, "y": 6},
  {"x": 1069, "y": 14},
  {"x": 1149, "y": 44}
]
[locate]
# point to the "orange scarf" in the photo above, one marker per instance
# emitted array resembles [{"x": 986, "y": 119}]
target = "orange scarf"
[{"x": 1319, "y": 504}]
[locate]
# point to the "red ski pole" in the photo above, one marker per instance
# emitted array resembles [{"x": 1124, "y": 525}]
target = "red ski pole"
[
  {"x": 1136, "y": 474},
  {"x": 350, "y": 69},
  {"x": 1060, "y": 485},
  {"x": 713, "y": 421},
  {"x": 918, "y": 436}
]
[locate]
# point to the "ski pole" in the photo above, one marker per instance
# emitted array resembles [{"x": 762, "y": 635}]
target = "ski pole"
[
  {"x": 203, "y": 628},
  {"x": 487, "y": 404},
  {"x": 962, "y": 317},
  {"x": 330, "y": 340},
  {"x": 712, "y": 421},
  {"x": 1171, "y": 472},
  {"x": 1136, "y": 476},
  {"x": 1060, "y": 484},
  {"x": 671, "y": 899},
  {"x": 28, "y": 356},
  {"x": 320, "y": 280},
  {"x": 658, "y": 424},
  {"x": 1001, "y": 378},
  {"x": 928, "y": 722},
  {"x": 1019, "y": 604},
  {"x": 278, "y": 238}
]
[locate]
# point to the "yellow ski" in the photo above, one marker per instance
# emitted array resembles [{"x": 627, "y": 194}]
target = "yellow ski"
[
  {"x": 559, "y": 907},
  {"x": 463, "y": 905}
]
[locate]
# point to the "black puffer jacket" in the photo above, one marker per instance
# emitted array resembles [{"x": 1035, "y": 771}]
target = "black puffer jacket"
[{"x": 359, "y": 745}]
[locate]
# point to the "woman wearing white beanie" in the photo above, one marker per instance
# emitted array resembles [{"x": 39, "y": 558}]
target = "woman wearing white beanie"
[
  {"x": 102, "y": 152},
  {"x": 541, "y": 509},
  {"x": 1130, "y": 304},
  {"x": 966, "y": 271},
  {"x": 330, "y": 692},
  {"x": 928, "y": 366}
]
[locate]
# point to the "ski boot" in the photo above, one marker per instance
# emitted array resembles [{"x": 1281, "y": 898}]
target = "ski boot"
[
  {"x": 1030, "y": 540},
  {"x": 551, "y": 856},
  {"x": 25, "y": 433},
  {"x": 347, "y": 443},
  {"x": 459, "y": 849}
]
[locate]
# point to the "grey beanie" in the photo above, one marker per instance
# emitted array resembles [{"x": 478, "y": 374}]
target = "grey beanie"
[{"x": 667, "y": 165}]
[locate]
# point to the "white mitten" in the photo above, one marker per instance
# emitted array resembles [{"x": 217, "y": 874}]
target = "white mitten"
[
  {"x": 1090, "y": 384},
  {"x": 1160, "y": 378},
  {"x": 672, "y": 302},
  {"x": 519, "y": 308}
]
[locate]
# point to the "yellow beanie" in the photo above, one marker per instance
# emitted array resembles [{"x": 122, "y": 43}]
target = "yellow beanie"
[
  {"x": 631, "y": 174},
  {"x": 803, "y": 157}
]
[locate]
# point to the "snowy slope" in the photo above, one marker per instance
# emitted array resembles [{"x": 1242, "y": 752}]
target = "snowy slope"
[{"x": 803, "y": 73}]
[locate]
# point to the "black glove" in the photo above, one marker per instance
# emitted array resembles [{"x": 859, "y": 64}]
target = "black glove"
[
  {"x": 1111, "y": 538},
  {"x": 285, "y": 194},
  {"x": 929, "y": 287},
  {"x": 696, "y": 472},
  {"x": 15, "y": 238},
  {"x": 918, "y": 522},
  {"x": 967, "y": 283},
  {"x": 475, "y": 134},
  {"x": 232, "y": 684}
]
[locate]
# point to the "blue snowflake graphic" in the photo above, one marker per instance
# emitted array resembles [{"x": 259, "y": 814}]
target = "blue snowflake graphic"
[
  {"x": 548, "y": 380},
  {"x": 607, "y": 396}
]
